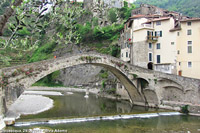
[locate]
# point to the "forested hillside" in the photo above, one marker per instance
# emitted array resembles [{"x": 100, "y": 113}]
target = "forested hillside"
[
  {"x": 42, "y": 35},
  {"x": 186, "y": 7}
]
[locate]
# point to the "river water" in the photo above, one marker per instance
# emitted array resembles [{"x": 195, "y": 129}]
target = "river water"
[{"x": 74, "y": 113}]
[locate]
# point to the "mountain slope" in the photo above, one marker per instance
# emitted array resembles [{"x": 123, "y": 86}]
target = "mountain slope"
[{"x": 189, "y": 8}]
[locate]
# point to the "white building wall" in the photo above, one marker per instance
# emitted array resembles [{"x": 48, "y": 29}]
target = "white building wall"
[{"x": 167, "y": 51}]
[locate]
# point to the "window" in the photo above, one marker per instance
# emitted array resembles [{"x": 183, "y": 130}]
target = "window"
[
  {"x": 172, "y": 43},
  {"x": 158, "y": 33},
  {"x": 189, "y": 32},
  {"x": 178, "y": 52},
  {"x": 158, "y": 46},
  {"x": 158, "y": 23},
  {"x": 122, "y": 54},
  {"x": 150, "y": 45},
  {"x": 149, "y": 33},
  {"x": 189, "y": 42},
  {"x": 126, "y": 54},
  {"x": 189, "y": 23},
  {"x": 189, "y": 47},
  {"x": 158, "y": 58},
  {"x": 179, "y": 63},
  {"x": 189, "y": 64},
  {"x": 178, "y": 33},
  {"x": 150, "y": 57}
]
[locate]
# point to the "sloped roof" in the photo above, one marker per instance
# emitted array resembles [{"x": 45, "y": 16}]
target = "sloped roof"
[
  {"x": 190, "y": 19},
  {"x": 158, "y": 19}
]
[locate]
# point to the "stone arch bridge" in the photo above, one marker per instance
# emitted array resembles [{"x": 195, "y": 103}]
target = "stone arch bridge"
[{"x": 145, "y": 87}]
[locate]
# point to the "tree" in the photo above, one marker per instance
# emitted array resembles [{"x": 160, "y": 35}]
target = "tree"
[
  {"x": 65, "y": 17},
  {"x": 8, "y": 13},
  {"x": 31, "y": 23},
  {"x": 112, "y": 15}
]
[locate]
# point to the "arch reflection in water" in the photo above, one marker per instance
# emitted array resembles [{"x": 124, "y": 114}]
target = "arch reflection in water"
[{"x": 75, "y": 105}]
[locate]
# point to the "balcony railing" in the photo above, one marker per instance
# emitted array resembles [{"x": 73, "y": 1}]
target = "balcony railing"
[
  {"x": 143, "y": 26},
  {"x": 152, "y": 38}
]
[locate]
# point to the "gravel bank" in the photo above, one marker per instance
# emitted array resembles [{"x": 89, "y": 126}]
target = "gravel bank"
[
  {"x": 38, "y": 88},
  {"x": 48, "y": 93},
  {"x": 29, "y": 104}
]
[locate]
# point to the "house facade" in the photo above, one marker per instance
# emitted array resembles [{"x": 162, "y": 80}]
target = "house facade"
[
  {"x": 163, "y": 41},
  {"x": 188, "y": 47}
]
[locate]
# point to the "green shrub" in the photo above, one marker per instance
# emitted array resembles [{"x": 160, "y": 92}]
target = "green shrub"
[
  {"x": 103, "y": 74},
  {"x": 135, "y": 76},
  {"x": 49, "y": 80},
  {"x": 112, "y": 16},
  {"x": 95, "y": 21},
  {"x": 184, "y": 109},
  {"x": 103, "y": 84},
  {"x": 43, "y": 52},
  {"x": 115, "y": 51}
]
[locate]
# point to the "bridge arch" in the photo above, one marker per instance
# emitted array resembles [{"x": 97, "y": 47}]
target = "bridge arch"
[
  {"x": 17, "y": 79},
  {"x": 28, "y": 74}
]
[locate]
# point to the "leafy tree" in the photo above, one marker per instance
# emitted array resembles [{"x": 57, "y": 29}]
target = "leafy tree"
[
  {"x": 65, "y": 18},
  {"x": 95, "y": 21},
  {"x": 125, "y": 12},
  {"x": 31, "y": 22},
  {"x": 8, "y": 13},
  {"x": 112, "y": 15}
]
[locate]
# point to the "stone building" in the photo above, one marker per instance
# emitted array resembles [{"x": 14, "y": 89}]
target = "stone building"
[
  {"x": 89, "y": 4},
  {"x": 162, "y": 40}
]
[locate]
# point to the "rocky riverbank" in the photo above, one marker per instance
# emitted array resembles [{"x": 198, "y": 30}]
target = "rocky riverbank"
[
  {"x": 29, "y": 104},
  {"x": 34, "y": 100}
]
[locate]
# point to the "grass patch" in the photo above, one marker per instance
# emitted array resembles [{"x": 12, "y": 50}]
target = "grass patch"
[
  {"x": 50, "y": 80},
  {"x": 44, "y": 52},
  {"x": 40, "y": 83}
]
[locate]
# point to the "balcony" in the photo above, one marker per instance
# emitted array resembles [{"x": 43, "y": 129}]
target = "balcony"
[
  {"x": 142, "y": 26},
  {"x": 152, "y": 39}
]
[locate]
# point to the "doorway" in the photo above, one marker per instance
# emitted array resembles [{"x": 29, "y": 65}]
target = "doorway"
[{"x": 150, "y": 66}]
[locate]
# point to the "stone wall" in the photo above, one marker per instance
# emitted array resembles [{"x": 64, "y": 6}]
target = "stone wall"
[
  {"x": 83, "y": 75},
  {"x": 156, "y": 93},
  {"x": 139, "y": 54}
]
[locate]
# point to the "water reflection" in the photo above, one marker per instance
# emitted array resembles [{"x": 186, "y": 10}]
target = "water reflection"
[
  {"x": 75, "y": 105},
  {"x": 161, "y": 124}
]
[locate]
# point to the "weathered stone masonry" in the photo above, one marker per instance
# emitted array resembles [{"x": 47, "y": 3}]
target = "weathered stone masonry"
[{"x": 145, "y": 87}]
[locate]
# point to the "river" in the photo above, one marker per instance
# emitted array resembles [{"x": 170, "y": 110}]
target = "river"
[{"x": 74, "y": 113}]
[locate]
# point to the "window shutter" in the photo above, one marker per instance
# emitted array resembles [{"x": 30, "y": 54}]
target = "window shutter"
[{"x": 147, "y": 33}]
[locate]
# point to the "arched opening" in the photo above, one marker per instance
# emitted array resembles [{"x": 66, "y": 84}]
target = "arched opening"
[
  {"x": 150, "y": 66},
  {"x": 47, "y": 67}
]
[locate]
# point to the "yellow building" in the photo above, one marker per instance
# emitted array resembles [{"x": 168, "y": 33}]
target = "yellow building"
[{"x": 188, "y": 48}]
